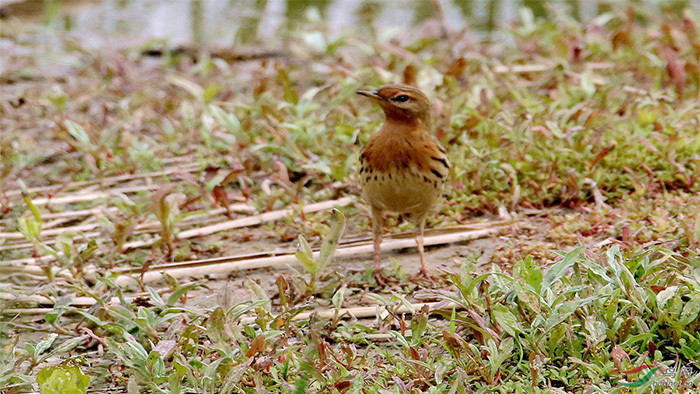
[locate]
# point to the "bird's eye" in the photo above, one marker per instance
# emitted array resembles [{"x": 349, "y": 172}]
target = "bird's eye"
[{"x": 402, "y": 98}]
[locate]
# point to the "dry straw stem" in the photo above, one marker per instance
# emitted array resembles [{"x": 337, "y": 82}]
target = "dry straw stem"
[
  {"x": 188, "y": 167},
  {"x": 365, "y": 311},
  {"x": 52, "y": 232},
  {"x": 532, "y": 68},
  {"x": 150, "y": 225},
  {"x": 28, "y": 265},
  {"x": 28, "y": 245},
  {"x": 262, "y": 218},
  {"x": 529, "y": 68},
  {"x": 343, "y": 313},
  {"x": 48, "y": 301},
  {"x": 44, "y": 302},
  {"x": 229, "y": 264},
  {"x": 25, "y": 311},
  {"x": 68, "y": 215},
  {"x": 244, "y": 222},
  {"x": 83, "y": 197}
]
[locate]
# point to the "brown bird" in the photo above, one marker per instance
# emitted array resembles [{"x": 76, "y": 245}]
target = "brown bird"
[{"x": 403, "y": 167}]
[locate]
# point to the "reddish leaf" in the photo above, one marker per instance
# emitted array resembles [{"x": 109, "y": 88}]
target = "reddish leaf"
[
  {"x": 409, "y": 75},
  {"x": 619, "y": 356},
  {"x": 626, "y": 234},
  {"x": 575, "y": 50},
  {"x": 221, "y": 198},
  {"x": 457, "y": 68},
  {"x": 281, "y": 175},
  {"x": 602, "y": 154},
  {"x": 637, "y": 369},
  {"x": 652, "y": 348},
  {"x": 482, "y": 324},
  {"x": 257, "y": 345},
  {"x": 657, "y": 289},
  {"x": 231, "y": 176},
  {"x": 675, "y": 67},
  {"x": 343, "y": 385},
  {"x": 453, "y": 342}
]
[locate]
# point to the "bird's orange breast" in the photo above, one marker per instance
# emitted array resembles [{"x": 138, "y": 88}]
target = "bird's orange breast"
[
  {"x": 395, "y": 151},
  {"x": 402, "y": 171}
]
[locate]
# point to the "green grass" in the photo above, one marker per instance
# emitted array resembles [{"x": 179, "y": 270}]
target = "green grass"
[{"x": 575, "y": 324}]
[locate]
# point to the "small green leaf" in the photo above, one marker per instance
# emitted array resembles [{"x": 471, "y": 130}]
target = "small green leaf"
[
  {"x": 665, "y": 295},
  {"x": 331, "y": 241},
  {"x": 77, "y": 132},
  {"x": 339, "y": 297},
  {"x": 305, "y": 256},
  {"x": 59, "y": 100},
  {"x": 230, "y": 122},
  {"x": 690, "y": 310},
  {"x": 44, "y": 345},
  {"x": 32, "y": 207},
  {"x": 210, "y": 92},
  {"x": 190, "y": 87},
  {"x": 587, "y": 84},
  {"x": 419, "y": 323},
  {"x": 177, "y": 294}
]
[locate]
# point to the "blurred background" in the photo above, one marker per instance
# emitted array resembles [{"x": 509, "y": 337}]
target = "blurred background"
[{"x": 229, "y": 22}]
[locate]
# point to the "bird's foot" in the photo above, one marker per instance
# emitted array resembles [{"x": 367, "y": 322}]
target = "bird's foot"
[
  {"x": 424, "y": 276},
  {"x": 382, "y": 279}
]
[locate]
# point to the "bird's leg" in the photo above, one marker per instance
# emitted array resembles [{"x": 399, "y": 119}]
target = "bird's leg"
[
  {"x": 377, "y": 219},
  {"x": 377, "y": 224},
  {"x": 420, "y": 230}
]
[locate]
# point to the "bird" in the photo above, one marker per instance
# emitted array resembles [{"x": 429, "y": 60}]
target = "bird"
[{"x": 403, "y": 167}]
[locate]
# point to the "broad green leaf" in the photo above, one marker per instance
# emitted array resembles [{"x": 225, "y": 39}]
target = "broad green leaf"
[
  {"x": 506, "y": 319},
  {"x": 256, "y": 289},
  {"x": 531, "y": 272},
  {"x": 62, "y": 379},
  {"x": 556, "y": 271},
  {"x": 562, "y": 311},
  {"x": 419, "y": 323},
  {"x": 595, "y": 328}
]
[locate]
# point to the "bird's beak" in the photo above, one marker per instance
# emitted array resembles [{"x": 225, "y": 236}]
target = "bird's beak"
[{"x": 369, "y": 93}]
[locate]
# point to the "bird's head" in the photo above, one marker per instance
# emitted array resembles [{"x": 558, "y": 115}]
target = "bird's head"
[{"x": 401, "y": 103}]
